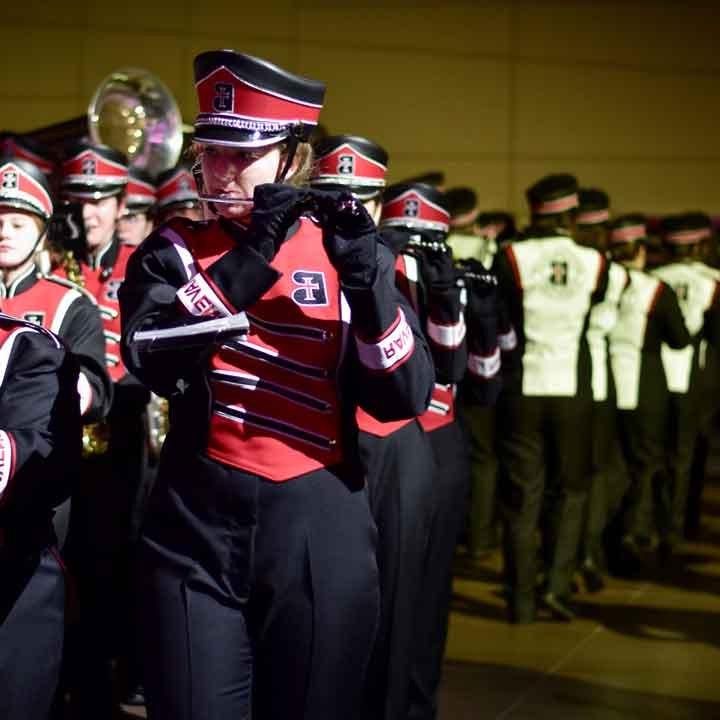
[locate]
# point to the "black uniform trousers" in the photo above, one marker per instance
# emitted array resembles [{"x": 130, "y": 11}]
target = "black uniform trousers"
[
  {"x": 480, "y": 423},
  {"x": 257, "y": 599},
  {"x": 452, "y": 480},
  {"x": 541, "y": 437},
  {"x": 400, "y": 475},
  {"x": 32, "y": 623},
  {"x": 673, "y": 488},
  {"x": 100, "y": 552},
  {"x": 608, "y": 482}
]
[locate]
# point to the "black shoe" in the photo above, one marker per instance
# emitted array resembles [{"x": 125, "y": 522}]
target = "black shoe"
[
  {"x": 592, "y": 577},
  {"x": 135, "y": 696},
  {"x": 558, "y": 607}
]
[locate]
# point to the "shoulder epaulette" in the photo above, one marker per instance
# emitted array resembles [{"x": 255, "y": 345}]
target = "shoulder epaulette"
[{"x": 70, "y": 285}]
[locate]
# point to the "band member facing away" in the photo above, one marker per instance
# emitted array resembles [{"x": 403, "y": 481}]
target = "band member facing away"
[
  {"x": 649, "y": 316},
  {"x": 39, "y": 453},
  {"x": 416, "y": 213},
  {"x": 136, "y": 222},
  {"x": 549, "y": 284},
  {"x": 48, "y": 300},
  {"x": 258, "y": 580},
  {"x": 399, "y": 463},
  {"x": 697, "y": 292},
  {"x": 177, "y": 195},
  {"x": 103, "y": 522},
  {"x": 608, "y": 470}
]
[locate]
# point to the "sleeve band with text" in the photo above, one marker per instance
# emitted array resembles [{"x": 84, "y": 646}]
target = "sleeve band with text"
[
  {"x": 199, "y": 297},
  {"x": 447, "y": 336},
  {"x": 484, "y": 366},
  {"x": 392, "y": 349}
]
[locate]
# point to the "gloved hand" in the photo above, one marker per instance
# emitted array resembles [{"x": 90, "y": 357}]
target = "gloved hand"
[
  {"x": 276, "y": 207},
  {"x": 350, "y": 237},
  {"x": 439, "y": 271}
]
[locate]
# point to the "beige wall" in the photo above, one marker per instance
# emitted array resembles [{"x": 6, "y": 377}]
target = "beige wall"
[{"x": 625, "y": 94}]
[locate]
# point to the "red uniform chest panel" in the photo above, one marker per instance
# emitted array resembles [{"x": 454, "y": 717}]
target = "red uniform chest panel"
[
  {"x": 274, "y": 392},
  {"x": 39, "y": 304},
  {"x": 103, "y": 284}
]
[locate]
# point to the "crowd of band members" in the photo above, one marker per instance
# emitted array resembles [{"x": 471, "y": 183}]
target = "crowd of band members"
[{"x": 575, "y": 373}]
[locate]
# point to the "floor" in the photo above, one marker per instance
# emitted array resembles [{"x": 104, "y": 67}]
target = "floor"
[
  {"x": 642, "y": 650},
  {"x": 645, "y": 649}
]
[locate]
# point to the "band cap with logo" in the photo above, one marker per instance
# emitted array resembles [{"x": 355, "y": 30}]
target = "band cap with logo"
[
  {"x": 93, "y": 172},
  {"x": 23, "y": 186},
  {"x": 350, "y": 162},
  {"x": 177, "y": 186},
  {"x": 245, "y": 101},
  {"x": 140, "y": 194},
  {"x": 415, "y": 206}
]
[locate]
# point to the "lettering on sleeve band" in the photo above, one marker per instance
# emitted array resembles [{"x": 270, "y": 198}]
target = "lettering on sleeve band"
[{"x": 392, "y": 349}]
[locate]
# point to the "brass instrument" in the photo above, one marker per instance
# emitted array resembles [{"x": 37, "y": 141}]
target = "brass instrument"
[
  {"x": 158, "y": 424},
  {"x": 132, "y": 111}
]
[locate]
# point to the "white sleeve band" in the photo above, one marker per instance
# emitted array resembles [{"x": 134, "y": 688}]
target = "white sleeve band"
[
  {"x": 508, "y": 341},
  {"x": 393, "y": 348},
  {"x": 6, "y": 460},
  {"x": 447, "y": 336},
  {"x": 484, "y": 366},
  {"x": 199, "y": 298},
  {"x": 85, "y": 392}
]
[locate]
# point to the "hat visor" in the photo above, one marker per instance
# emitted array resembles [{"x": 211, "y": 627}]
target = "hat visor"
[
  {"x": 24, "y": 206},
  {"x": 240, "y": 138},
  {"x": 90, "y": 192},
  {"x": 361, "y": 192}
]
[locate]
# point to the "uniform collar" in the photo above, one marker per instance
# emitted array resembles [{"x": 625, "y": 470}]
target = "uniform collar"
[
  {"x": 105, "y": 257},
  {"x": 21, "y": 283}
]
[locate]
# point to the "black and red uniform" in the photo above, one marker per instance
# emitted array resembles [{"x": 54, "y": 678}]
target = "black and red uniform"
[
  {"x": 426, "y": 276},
  {"x": 259, "y": 474},
  {"x": 399, "y": 463},
  {"x": 39, "y": 453}
]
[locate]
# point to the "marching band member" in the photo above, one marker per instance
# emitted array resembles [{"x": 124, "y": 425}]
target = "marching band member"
[
  {"x": 648, "y": 317},
  {"x": 102, "y": 521},
  {"x": 177, "y": 195},
  {"x": 136, "y": 222},
  {"x": 48, "y": 300},
  {"x": 592, "y": 227},
  {"x": 399, "y": 463},
  {"x": 258, "y": 575},
  {"x": 550, "y": 285},
  {"x": 697, "y": 291},
  {"x": 427, "y": 276},
  {"x": 39, "y": 453}
]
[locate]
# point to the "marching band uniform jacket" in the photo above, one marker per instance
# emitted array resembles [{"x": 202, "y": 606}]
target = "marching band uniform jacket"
[
  {"x": 278, "y": 402},
  {"x": 60, "y": 306},
  {"x": 39, "y": 432}
]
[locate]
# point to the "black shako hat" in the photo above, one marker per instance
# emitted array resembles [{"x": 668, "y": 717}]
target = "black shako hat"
[
  {"x": 462, "y": 204},
  {"x": 93, "y": 172},
  {"x": 593, "y": 207},
  {"x": 350, "y": 162},
  {"x": 627, "y": 229},
  {"x": 248, "y": 102},
  {"x": 686, "y": 229},
  {"x": 553, "y": 195},
  {"x": 415, "y": 206},
  {"x": 177, "y": 186},
  {"x": 24, "y": 186}
]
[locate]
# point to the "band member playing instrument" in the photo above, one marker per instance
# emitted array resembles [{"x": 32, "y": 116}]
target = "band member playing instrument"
[
  {"x": 258, "y": 580},
  {"x": 39, "y": 453}
]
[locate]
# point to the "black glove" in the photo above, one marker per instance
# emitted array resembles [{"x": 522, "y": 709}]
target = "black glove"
[
  {"x": 439, "y": 271},
  {"x": 276, "y": 207},
  {"x": 349, "y": 235}
]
